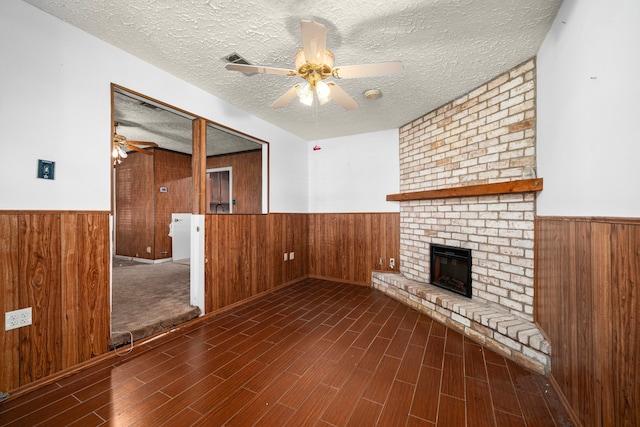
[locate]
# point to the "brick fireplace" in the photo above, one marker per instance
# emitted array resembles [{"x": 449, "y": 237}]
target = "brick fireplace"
[{"x": 484, "y": 140}]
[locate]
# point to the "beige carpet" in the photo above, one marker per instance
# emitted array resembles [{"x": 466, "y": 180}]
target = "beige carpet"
[{"x": 148, "y": 298}]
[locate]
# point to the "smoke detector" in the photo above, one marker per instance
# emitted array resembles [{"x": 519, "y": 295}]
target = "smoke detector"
[{"x": 372, "y": 93}]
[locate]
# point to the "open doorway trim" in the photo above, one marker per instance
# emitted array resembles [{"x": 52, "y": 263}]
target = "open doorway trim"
[
  {"x": 228, "y": 169},
  {"x": 199, "y": 155}
]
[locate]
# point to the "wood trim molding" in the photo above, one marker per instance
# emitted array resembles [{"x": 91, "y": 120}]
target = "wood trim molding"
[
  {"x": 598, "y": 219},
  {"x": 52, "y": 212},
  {"x": 563, "y": 400},
  {"x": 520, "y": 186},
  {"x": 199, "y": 165},
  {"x": 334, "y": 279}
]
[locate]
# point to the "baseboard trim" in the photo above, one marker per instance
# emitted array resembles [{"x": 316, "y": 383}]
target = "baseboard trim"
[
  {"x": 42, "y": 382},
  {"x": 563, "y": 400},
  {"x": 253, "y": 297},
  {"x": 338, "y": 280}
]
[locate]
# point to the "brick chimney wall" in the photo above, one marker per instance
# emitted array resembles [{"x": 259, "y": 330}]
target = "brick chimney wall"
[{"x": 485, "y": 136}]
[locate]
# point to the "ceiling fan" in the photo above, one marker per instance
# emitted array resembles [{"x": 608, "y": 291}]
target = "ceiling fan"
[
  {"x": 121, "y": 145},
  {"x": 314, "y": 63}
]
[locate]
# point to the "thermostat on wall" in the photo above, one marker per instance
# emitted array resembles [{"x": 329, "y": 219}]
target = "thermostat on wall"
[{"x": 46, "y": 169}]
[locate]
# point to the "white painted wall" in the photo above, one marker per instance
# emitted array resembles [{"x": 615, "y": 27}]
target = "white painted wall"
[
  {"x": 55, "y": 105},
  {"x": 588, "y": 148},
  {"x": 355, "y": 173}
]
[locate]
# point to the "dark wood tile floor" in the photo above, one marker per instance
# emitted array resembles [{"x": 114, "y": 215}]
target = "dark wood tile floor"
[{"x": 317, "y": 353}]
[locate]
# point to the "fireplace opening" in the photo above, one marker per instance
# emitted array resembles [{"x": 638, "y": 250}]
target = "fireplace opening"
[{"x": 451, "y": 269}]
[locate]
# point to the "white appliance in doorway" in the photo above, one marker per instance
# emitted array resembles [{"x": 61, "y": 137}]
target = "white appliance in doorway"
[{"x": 180, "y": 232}]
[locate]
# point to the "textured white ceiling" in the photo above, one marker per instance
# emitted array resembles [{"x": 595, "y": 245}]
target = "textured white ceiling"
[
  {"x": 144, "y": 120},
  {"x": 448, "y": 47}
]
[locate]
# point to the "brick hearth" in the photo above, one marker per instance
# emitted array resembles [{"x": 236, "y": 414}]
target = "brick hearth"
[{"x": 503, "y": 332}]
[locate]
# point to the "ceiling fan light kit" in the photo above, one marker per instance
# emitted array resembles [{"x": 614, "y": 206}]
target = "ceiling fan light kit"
[
  {"x": 314, "y": 63},
  {"x": 120, "y": 146}
]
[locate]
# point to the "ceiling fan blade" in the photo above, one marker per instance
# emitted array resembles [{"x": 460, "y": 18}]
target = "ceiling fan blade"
[
  {"x": 258, "y": 69},
  {"x": 314, "y": 38},
  {"x": 138, "y": 149},
  {"x": 286, "y": 98},
  {"x": 341, "y": 97},
  {"x": 151, "y": 144},
  {"x": 368, "y": 70}
]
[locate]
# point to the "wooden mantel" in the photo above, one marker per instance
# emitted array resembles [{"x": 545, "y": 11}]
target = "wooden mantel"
[{"x": 520, "y": 186}]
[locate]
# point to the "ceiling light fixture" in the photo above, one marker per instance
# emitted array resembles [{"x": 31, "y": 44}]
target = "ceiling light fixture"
[
  {"x": 120, "y": 146},
  {"x": 305, "y": 93},
  {"x": 322, "y": 91},
  {"x": 314, "y": 75}
]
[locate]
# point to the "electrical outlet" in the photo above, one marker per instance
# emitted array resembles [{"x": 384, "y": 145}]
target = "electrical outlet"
[
  {"x": 286, "y": 256},
  {"x": 392, "y": 263},
  {"x": 291, "y": 254},
  {"x": 17, "y": 318},
  {"x": 381, "y": 261}
]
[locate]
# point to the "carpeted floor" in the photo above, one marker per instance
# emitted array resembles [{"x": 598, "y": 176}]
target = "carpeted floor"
[{"x": 148, "y": 298}]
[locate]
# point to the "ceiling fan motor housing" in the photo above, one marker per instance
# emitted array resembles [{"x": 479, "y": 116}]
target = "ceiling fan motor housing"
[{"x": 313, "y": 73}]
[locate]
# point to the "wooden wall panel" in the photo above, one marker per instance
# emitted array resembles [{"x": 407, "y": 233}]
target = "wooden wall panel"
[
  {"x": 9, "y": 301},
  {"x": 214, "y": 264},
  {"x": 601, "y": 363},
  {"x": 259, "y": 250},
  {"x": 58, "y": 264},
  {"x": 143, "y": 213},
  {"x": 135, "y": 205},
  {"x": 588, "y": 270},
  {"x": 276, "y": 233},
  {"x": 347, "y": 246},
  {"x": 625, "y": 322},
  {"x": 172, "y": 171},
  {"x": 245, "y": 255},
  {"x": 247, "y": 179},
  {"x": 85, "y": 287},
  {"x": 39, "y": 266},
  {"x": 198, "y": 165},
  {"x": 295, "y": 240},
  {"x": 70, "y": 291},
  {"x": 92, "y": 278}
]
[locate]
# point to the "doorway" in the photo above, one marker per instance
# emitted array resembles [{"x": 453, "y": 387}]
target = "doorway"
[
  {"x": 169, "y": 135},
  {"x": 219, "y": 190},
  {"x": 152, "y": 205}
]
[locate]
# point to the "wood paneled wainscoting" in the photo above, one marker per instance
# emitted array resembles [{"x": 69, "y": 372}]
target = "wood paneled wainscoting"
[
  {"x": 244, "y": 250},
  {"x": 348, "y": 246},
  {"x": 588, "y": 279},
  {"x": 58, "y": 264},
  {"x": 245, "y": 255}
]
